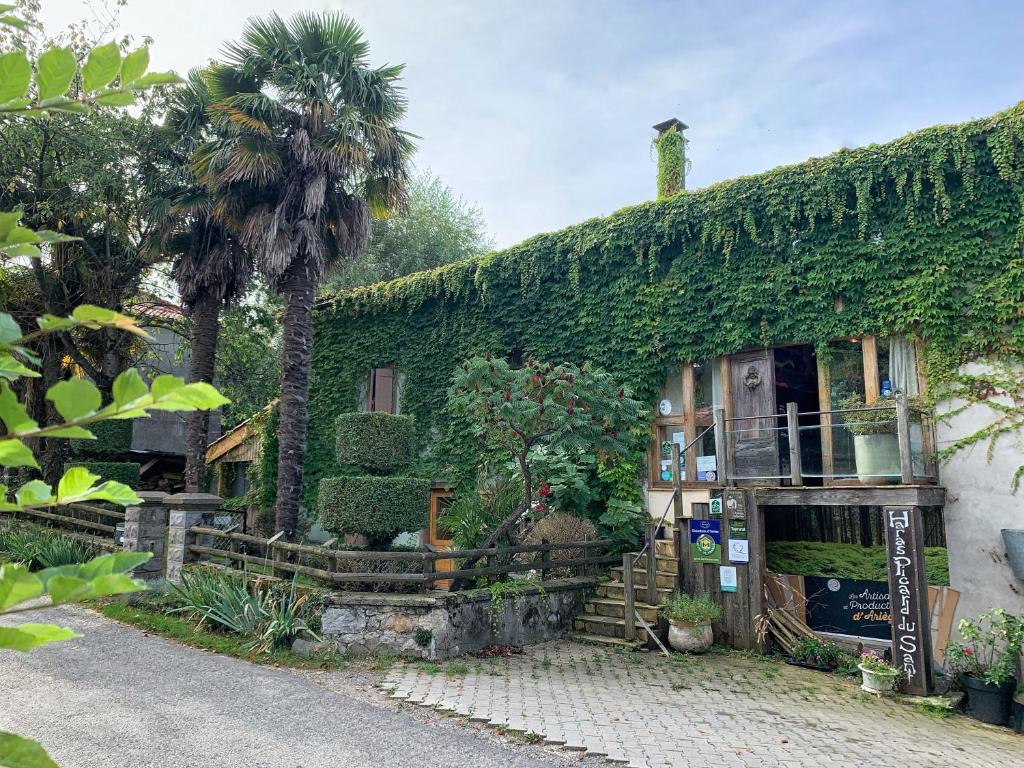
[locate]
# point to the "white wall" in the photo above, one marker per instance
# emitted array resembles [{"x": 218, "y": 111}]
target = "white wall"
[{"x": 979, "y": 503}]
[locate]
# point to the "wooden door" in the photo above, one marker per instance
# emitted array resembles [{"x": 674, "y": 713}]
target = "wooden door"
[
  {"x": 437, "y": 536},
  {"x": 753, "y": 443}
]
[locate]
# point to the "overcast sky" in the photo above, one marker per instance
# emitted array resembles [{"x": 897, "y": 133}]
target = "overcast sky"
[{"x": 540, "y": 111}]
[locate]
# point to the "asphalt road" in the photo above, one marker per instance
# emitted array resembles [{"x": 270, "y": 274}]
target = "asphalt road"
[{"x": 117, "y": 697}]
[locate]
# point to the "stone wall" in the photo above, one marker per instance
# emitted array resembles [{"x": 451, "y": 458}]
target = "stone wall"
[{"x": 443, "y": 625}]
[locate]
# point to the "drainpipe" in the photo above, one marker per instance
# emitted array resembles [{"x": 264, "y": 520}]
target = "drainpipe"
[{"x": 671, "y": 145}]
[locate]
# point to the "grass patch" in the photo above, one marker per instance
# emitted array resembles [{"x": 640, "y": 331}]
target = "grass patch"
[
  {"x": 850, "y": 561},
  {"x": 147, "y": 615}
]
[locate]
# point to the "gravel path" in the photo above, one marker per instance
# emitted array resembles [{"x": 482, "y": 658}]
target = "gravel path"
[{"x": 118, "y": 697}]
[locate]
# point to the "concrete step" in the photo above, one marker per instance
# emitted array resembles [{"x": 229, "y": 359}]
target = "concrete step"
[
  {"x": 616, "y": 590},
  {"x": 665, "y": 548},
  {"x": 665, "y": 564},
  {"x": 616, "y": 609},
  {"x": 666, "y": 580},
  {"x": 607, "y": 626},
  {"x": 618, "y": 642}
]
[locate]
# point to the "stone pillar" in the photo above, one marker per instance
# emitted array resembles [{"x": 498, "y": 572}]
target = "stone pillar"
[
  {"x": 145, "y": 530},
  {"x": 187, "y": 510}
]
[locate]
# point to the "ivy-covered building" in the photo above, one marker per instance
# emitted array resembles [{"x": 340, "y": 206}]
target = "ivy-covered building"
[{"x": 807, "y": 290}]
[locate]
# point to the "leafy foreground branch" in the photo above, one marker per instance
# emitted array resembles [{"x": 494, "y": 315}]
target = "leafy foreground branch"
[{"x": 22, "y": 592}]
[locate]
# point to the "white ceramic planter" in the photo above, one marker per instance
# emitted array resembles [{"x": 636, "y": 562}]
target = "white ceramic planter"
[
  {"x": 878, "y": 458},
  {"x": 690, "y": 638},
  {"x": 881, "y": 683}
]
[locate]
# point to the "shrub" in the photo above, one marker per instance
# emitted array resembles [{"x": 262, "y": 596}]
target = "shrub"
[
  {"x": 991, "y": 647},
  {"x": 811, "y": 650},
  {"x": 561, "y": 528},
  {"x": 378, "y": 507},
  {"x": 40, "y": 548},
  {"x": 113, "y": 438},
  {"x": 375, "y": 442},
  {"x": 126, "y": 472},
  {"x": 690, "y": 610}
]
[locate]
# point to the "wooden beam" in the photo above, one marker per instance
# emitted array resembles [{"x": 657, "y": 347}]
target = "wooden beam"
[
  {"x": 853, "y": 496},
  {"x": 825, "y": 404},
  {"x": 689, "y": 423},
  {"x": 869, "y": 351}
]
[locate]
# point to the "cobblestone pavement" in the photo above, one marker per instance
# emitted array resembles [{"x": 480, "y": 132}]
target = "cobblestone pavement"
[{"x": 724, "y": 709}]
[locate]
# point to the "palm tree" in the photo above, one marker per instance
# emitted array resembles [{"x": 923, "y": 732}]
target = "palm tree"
[
  {"x": 210, "y": 266},
  {"x": 309, "y": 140}
]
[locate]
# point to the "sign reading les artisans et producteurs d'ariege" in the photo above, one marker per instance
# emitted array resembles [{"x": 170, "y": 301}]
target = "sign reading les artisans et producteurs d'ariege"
[{"x": 848, "y": 606}]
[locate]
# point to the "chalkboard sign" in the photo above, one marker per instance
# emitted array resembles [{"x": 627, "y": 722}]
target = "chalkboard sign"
[{"x": 848, "y": 607}]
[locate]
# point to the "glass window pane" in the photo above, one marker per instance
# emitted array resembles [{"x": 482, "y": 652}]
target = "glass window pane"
[
  {"x": 707, "y": 389},
  {"x": 846, "y": 371},
  {"x": 897, "y": 364},
  {"x": 671, "y": 400},
  {"x": 667, "y": 436}
]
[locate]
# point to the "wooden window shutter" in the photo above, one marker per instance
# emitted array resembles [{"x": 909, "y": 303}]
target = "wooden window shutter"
[{"x": 383, "y": 396}]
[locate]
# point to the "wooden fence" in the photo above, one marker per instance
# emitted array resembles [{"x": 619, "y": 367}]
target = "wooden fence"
[
  {"x": 93, "y": 525},
  {"x": 414, "y": 569}
]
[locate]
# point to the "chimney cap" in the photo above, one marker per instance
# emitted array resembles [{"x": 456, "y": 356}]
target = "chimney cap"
[{"x": 672, "y": 122}]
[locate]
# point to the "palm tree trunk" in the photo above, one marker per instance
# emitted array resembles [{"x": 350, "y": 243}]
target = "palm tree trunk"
[
  {"x": 297, "y": 289},
  {"x": 205, "y": 327}
]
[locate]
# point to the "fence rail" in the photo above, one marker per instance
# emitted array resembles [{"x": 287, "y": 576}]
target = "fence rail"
[
  {"x": 422, "y": 564},
  {"x": 78, "y": 521}
]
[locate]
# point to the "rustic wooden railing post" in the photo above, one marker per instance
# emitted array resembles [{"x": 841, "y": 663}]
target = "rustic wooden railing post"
[
  {"x": 545, "y": 557},
  {"x": 903, "y": 438},
  {"x": 429, "y": 566},
  {"x": 187, "y": 510},
  {"x": 145, "y": 530},
  {"x": 796, "y": 471},
  {"x": 629, "y": 604},
  {"x": 275, "y": 554},
  {"x": 652, "y": 564},
  {"x": 721, "y": 446},
  {"x": 677, "y": 496}
]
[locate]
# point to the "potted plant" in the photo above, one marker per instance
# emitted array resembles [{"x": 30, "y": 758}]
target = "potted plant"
[
  {"x": 689, "y": 620},
  {"x": 986, "y": 663},
  {"x": 875, "y": 444},
  {"x": 1018, "y": 710},
  {"x": 811, "y": 652},
  {"x": 877, "y": 674}
]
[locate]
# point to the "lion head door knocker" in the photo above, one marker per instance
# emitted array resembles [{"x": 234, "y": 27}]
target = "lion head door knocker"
[{"x": 752, "y": 379}]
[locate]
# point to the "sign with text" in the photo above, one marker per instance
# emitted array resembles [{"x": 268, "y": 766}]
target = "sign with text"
[
  {"x": 911, "y": 633},
  {"x": 735, "y": 503},
  {"x": 848, "y": 606},
  {"x": 727, "y": 577},
  {"x": 706, "y": 541}
]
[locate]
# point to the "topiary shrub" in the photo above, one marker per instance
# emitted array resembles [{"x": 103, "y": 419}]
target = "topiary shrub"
[
  {"x": 378, "y": 507},
  {"x": 562, "y": 528},
  {"x": 126, "y": 472},
  {"x": 378, "y": 443},
  {"x": 112, "y": 439}
]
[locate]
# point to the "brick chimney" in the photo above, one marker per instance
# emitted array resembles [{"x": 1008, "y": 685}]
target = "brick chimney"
[{"x": 671, "y": 146}]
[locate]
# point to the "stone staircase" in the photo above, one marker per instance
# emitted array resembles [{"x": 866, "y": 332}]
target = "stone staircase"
[{"x": 602, "y": 620}]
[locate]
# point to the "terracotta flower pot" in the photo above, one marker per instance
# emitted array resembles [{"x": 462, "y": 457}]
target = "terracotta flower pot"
[
  {"x": 882, "y": 683},
  {"x": 690, "y": 638}
]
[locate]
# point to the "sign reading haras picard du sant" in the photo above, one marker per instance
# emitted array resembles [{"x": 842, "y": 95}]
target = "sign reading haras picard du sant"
[{"x": 911, "y": 632}]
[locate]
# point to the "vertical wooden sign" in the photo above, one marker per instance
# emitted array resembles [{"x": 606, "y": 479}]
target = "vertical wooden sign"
[{"x": 911, "y": 633}]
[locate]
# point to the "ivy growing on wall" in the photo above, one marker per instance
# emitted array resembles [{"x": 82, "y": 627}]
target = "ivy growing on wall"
[
  {"x": 921, "y": 236},
  {"x": 671, "y": 148}
]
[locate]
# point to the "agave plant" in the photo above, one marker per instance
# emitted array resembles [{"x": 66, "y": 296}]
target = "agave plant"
[{"x": 286, "y": 622}]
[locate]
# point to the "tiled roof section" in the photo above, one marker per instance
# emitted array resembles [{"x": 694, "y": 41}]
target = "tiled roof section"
[{"x": 157, "y": 310}]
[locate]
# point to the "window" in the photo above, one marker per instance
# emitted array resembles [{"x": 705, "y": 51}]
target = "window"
[
  {"x": 685, "y": 409},
  {"x": 381, "y": 390}
]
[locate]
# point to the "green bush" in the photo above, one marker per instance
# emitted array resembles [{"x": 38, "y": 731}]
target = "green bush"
[
  {"x": 847, "y": 561},
  {"x": 690, "y": 610},
  {"x": 41, "y": 548},
  {"x": 378, "y": 507},
  {"x": 112, "y": 439},
  {"x": 375, "y": 442},
  {"x": 126, "y": 472}
]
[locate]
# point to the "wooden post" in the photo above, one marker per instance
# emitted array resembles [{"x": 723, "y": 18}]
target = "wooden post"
[
  {"x": 428, "y": 570},
  {"x": 911, "y": 627},
  {"x": 677, "y": 543},
  {"x": 629, "y": 603},
  {"x": 721, "y": 448},
  {"x": 903, "y": 436},
  {"x": 652, "y": 564},
  {"x": 677, "y": 498},
  {"x": 275, "y": 554},
  {"x": 545, "y": 558},
  {"x": 796, "y": 473},
  {"x": 689, "y": 427},
  {"x": 869, "y": 354}
]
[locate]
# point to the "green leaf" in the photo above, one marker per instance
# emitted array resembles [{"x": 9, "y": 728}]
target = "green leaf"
[
  {"x": 12, "y": 413},
  {"x": 55, "y": 70},
  {"x": 128, "y": 387},
  {"x": 25, "y": 637},
  {"x": 98, "y": 317},
  {"x": 34, "y": 493},
  {"x": 22, "y": 250},
  {"x": 14, "y": 453},
  {"x": 67, "y": 589},
  {"x": 75, "y": 482},
  {"x": 19, "y": 752},
  {"x": 74, "y": 398},
  {"x": 52, "y": 323},
  {"x": 8, "y": 221},
  {"x": 116, "y": 99},
  {"x": 69, "y": 106},
  {"x": 15, "y": 76},
  {"x": 9, "y": 329},
  {"x": 11, "y": 369},
  {"x": 17, "y": 585},
  {"x": 114, "y": 492},
  {"x": 102, "y": 66},
  {"x": 134, "y": 66},
  {"x": 78, "y": 433},
  {"x": 156, "y": 78}
]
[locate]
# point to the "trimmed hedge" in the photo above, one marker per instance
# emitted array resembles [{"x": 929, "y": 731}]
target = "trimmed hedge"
[
  {"x": 126, "y": 472},
  {"x": 375, "y": 442},
  {"x": 377, "y": 507},
  {"x": 113, "y": 438}
]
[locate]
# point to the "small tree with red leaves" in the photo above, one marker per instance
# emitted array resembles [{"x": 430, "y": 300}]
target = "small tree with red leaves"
[{"x": 578, "y": 409}]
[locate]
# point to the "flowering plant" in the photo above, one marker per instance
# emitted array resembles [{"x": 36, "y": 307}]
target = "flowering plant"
[
  {"x": 991, "y": 647},
  {"x": 872, "y": 662}
]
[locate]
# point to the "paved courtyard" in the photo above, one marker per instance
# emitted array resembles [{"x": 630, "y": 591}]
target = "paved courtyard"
[{"x": 725, "y": 709}]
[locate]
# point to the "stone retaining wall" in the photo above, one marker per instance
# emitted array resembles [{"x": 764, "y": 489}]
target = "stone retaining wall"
[{"x": 444, "y": 625}]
